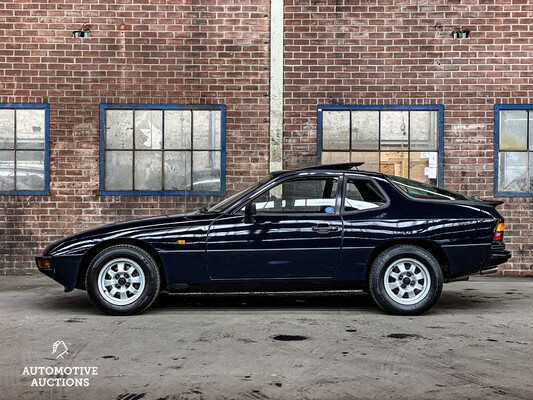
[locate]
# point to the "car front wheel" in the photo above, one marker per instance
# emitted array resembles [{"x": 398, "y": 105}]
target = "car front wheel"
[
  {"x": 405, "y": 280},
  {"x": 123, "y": 280}
]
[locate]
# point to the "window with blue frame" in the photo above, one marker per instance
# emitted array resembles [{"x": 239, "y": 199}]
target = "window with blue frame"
[
  {"x": 513, "y": 150},
  {"x": 162, "y": 149},
  {"x": 406, "y": 141},
  {"x": 24, "y": 149}
]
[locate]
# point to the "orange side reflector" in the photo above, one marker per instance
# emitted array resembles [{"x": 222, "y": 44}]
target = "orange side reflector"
[
  {"x": 44, "y": 264},
  {"x": 501, "y": 227},
  {"x": 181, "y": 241}
]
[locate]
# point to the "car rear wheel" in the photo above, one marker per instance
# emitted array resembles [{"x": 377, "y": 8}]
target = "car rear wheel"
[
  {"x": 123, "y": 280},
  {"x": 405, "y": 280}
]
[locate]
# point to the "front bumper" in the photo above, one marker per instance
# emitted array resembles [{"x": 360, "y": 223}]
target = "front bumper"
[{"x": 63, "y": 270}]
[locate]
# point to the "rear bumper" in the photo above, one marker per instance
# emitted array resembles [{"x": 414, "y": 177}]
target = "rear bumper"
[{"x": 497, "y": 255}]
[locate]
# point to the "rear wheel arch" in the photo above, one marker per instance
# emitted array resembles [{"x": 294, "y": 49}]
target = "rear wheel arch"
[
  {"x": 405, "y": 280},
  {"x": 97, "y": 249},
  {"x": 432, "y": 247}
]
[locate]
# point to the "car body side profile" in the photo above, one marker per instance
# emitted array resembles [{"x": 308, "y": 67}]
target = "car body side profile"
[{"x": 324, "y": 228}]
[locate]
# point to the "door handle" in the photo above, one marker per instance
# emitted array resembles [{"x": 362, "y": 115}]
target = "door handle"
[{"x": 325, "y": 228}]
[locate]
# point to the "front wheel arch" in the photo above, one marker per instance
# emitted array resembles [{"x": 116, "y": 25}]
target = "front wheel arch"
[
  {"x": 95, "y": 250},
  {"x": 123, "y": 280}
]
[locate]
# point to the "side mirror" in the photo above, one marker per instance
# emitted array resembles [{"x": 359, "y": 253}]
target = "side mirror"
[{"x": 249, "y": 211}]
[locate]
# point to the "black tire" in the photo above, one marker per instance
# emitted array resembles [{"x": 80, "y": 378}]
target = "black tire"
[
  {"x": 123, "y": 280},
  {"x": 405, "y": 280}
]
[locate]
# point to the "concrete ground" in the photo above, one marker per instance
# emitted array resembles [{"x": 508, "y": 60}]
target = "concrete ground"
[{"x": 475, "y": 343}]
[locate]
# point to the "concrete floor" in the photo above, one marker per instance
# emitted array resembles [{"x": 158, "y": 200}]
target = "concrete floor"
[{"x": 475, "y": 343}]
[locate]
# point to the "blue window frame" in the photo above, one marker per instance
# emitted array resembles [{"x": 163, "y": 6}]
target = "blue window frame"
[
  {"x": 162, "y": 149},
  {"x": 513, "y": 150},
  {"x": 24, "y": 149},
  {"x": 407, "y": 141}
]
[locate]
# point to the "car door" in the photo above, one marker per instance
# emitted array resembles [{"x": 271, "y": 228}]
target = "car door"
[{"x": 296, "y": 232}]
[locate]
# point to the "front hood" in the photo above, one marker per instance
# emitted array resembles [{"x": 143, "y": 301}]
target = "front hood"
[{"x": 141, "y": 229}]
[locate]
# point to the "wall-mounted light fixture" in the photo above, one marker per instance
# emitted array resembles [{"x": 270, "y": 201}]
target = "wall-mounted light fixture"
[
  {"x": 460, "y": 33},
  {"x": 84, "y": 32}
]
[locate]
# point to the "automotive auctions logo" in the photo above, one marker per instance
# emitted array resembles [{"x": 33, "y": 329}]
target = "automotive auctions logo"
[
  {"x": 58, "y": 375},
  {"x": 64, "y": 348}
]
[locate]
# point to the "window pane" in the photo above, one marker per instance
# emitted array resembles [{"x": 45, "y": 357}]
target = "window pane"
[
  {"x": 394, "y": 163},
  {"x": 394, "y": 130},
  {"x": 30, "y": 129},
  {"x": 177, "y": 170},
  {"x": 423, "y": 130},
  {"x": 118, "y": 170},
  {"x": 206, "y": 130},
  {"x": 7, "y": 170},
  {"x": 206, "y": 171},
  {"x": 119, "y": 129},
  {"x": 336, "y": 130},
  {"x": 309, "y": 196},
  {"x": 148, "y": 170},
  {"x": 148, "y": 129},
  {"x": 365, "y": 130},
  {"x": 423, "y": 167},
  {"x": 513, "y": 129},
  {"x": 370, "y": 159},
  {"x": 335, "y": 157},
  {"x": 513, "y": 172},
  {"x": 30, "y": 170},
  {"x": 362, "y": 195},
  {"x": 7, "y": 129},
  {"x": 178, "y": 129}
]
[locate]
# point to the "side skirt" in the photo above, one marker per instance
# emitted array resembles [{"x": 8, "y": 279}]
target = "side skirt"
[{"x": 266, "y": 293}]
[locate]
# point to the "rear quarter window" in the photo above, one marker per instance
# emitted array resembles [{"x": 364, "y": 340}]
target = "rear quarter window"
[
  {"x": 361, "y": 194},
  {"x": 420, "y": 190}
]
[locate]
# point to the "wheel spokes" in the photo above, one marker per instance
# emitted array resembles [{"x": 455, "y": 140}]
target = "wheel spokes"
[
  {"x": 407, "y": 281},
  {"x": 394, "y": 285},
  {"x": 121, "y": 281}
]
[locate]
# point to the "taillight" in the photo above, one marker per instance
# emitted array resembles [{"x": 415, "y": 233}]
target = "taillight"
[{"x": 498, "y": 237}]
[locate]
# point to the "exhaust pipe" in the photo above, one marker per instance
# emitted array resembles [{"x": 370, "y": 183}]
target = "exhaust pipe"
[{"x": 488, "y": 271}]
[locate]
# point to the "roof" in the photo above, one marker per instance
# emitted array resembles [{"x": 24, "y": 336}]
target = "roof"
[
  {"x": 331, "y": 167},
  {"x": 343, "y": 166}
]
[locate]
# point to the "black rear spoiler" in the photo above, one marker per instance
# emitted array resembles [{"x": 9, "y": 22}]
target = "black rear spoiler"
[{"x": 493, "y": 203}]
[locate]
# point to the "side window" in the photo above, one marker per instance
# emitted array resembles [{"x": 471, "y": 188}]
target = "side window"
[
  {"x": 299, "y": 196},
  {"x": 361, "y": 195}
]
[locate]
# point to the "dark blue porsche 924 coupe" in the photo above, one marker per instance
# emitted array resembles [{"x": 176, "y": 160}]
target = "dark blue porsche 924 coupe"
[{"x": 324, "y": 228}]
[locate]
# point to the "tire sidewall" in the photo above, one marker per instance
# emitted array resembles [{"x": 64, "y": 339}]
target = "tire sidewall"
[
  {"x": 145, "y": 262},
  {"x": 377, "y": 281}
]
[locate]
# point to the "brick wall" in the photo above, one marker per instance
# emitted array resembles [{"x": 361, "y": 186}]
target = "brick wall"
[
  {"x": 144, "y": 52},
  {"x": 200, "y": 52},
  {"x": 401, "y": 52}
]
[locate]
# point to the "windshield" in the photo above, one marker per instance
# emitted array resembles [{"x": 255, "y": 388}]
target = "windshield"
[
  {"x": 421, "y": 190},
  {"x": 237, "y": 196}
]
